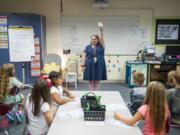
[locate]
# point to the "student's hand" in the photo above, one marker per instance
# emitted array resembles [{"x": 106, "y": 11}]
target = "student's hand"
[
  {"x": 117, "y": 116},
  {"x": 27, "y": 86},
  {"x": 71, "y": 96},
  {"x": 22, "y": 86},
  {"x": 71, "y": 100}
]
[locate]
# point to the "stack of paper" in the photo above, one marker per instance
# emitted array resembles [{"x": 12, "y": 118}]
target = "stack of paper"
[
  {"x": 114, "y": 107},
  {"x": 71, "y": 114}
]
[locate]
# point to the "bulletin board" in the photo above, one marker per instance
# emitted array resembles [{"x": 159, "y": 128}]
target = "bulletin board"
[{"x": 115, "y": 67}]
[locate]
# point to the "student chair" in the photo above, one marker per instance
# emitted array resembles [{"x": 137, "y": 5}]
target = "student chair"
[
  {"x": 4, "y": 110},
  {"x": 71, "y": 74},
  {"x": 4, "y": 125},
  {"x": 136, "y": 102},
  {"x": 71, "y": 77},
  {"x": 52, "y": 58}
]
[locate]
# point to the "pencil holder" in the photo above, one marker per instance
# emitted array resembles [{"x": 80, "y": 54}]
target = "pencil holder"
[
  {"x": 95, "y": 114},
  {"x": 90, "y": 98}
]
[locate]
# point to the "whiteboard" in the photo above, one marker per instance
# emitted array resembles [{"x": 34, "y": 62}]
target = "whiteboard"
[
  {"x": 120, "y": 33},
  {"x": 21, "y": 44}
]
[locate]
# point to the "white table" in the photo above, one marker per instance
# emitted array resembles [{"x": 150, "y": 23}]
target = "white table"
[{"x": 78, "y": 126}]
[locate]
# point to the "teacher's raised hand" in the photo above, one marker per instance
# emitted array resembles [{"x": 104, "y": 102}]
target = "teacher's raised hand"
[{"x": 100, "y": 24}]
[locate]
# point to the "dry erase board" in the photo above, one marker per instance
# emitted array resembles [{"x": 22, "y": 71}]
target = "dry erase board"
[{"x": 120, "y": 33}]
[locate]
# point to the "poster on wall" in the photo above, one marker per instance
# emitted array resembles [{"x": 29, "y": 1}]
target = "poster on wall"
[
  {"x": 167, "y": 31},
  {"x": 70, "y": 39},
  {"x": 21, "y": 44},
  {"x": 36, "y": 59},
  {"x": 3, "y": 32},
  {"x": 113, "y": 67}
]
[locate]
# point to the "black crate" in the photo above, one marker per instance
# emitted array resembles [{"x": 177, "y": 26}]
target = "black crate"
[
  {"x": 88, "y": 98},
  {"x": 95, "y": 115}
]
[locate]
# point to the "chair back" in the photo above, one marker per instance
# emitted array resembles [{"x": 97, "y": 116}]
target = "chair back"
[
  {"x": 5, "y": 108},
  {"x": 52, "y": 58}
]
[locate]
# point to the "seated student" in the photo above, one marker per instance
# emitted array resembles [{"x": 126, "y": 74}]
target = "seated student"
[
  {"x": 138, "y": 92},
  {"x": 138, "y": 79},
  {"x": 38, "y": 110},
  {"x": 170, "y": 83},
  {"x": 57, "y": 91},
  {"x": 154, "y": 111},
  {"x": 7, "y": 82},
  {"x": 173, "y": 96}
]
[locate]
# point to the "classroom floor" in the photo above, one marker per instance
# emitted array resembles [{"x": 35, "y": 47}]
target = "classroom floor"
[{"x": 122, "y": 88}]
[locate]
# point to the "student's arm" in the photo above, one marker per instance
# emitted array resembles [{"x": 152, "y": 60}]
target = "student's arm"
[
  {"x": 131, "y": 121},
  {"x": 47, "y": 112},
  {"x": 49, "y": 117},
  {"x": 59, "y": 100},
  {"x": 17, "y": 83},
  {"x": 68, "y": 93}
]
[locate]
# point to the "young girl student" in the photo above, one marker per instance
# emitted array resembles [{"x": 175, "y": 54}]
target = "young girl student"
[
  {"x": 38, "y": 110},
  {"x": 58, "y": 92},
  {"x": 154, "y": 111},
  {"x": 7, "y": 82}
]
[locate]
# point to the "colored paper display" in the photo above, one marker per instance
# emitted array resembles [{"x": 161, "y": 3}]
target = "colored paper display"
[
  {"x": 3, "y": 32},
  {"x": 113, "y": 67},
  {"x": 35, "y": 63}
]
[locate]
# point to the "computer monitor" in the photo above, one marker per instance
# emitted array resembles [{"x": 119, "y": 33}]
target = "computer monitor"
[{"x": 172, "y": 50}]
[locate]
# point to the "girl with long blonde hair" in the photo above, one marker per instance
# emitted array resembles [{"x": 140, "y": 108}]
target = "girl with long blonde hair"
[
  {"x": 154, "y": 111},
  {"x": 8, "y": 81}
]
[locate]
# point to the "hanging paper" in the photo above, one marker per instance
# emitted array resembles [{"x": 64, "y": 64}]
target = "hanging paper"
[
  {"x": 35, "y": 63},
  {"x": 21, "y": 44}
]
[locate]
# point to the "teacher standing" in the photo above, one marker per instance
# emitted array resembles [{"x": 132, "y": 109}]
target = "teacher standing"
[{"x": 94, "y": 66}]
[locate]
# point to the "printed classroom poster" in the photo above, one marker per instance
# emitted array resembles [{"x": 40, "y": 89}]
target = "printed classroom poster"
[
  {"x": 36, "y": 60},
  {"x": 3, "y": 32}
]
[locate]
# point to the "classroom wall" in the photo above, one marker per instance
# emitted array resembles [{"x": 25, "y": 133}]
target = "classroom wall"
[
  {"x": 51, "y": 9},
  {"x": 48, "y": 8}
]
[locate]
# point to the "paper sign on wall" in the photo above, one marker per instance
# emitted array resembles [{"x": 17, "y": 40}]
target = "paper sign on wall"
[
  {"x": 35, "y": 63},
  {"x": 21, "y": 44}
]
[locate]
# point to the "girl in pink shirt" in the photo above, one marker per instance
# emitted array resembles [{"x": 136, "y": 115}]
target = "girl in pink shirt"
[{"x": 154, "y": 111}]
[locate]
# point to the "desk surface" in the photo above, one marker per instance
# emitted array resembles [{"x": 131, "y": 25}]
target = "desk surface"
[{"x": 78, "y": 126}]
